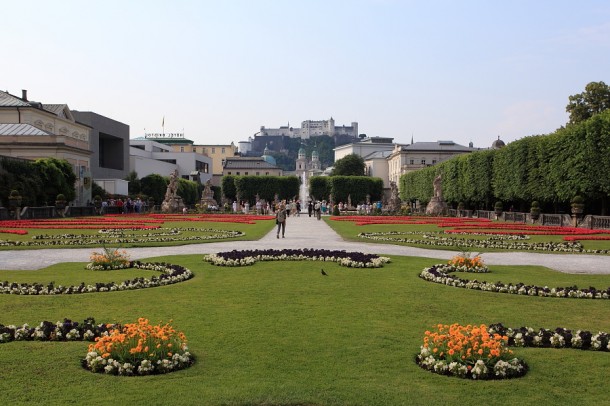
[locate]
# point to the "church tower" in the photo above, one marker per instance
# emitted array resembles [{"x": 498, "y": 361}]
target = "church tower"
[{"x": 301, "y": 162}]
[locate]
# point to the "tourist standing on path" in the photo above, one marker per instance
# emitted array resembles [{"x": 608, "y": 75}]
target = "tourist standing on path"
[
  {"x": 310, "y": 208},
  {"x": 280, "y": 219}
]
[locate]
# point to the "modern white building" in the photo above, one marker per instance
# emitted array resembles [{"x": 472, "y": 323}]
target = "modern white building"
[
  {"x": 147, "y": 157},
  {"x": 312, "y": 128}
]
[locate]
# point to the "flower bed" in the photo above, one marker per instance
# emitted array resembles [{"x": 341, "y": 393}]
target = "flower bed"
[
  {"x": 249, "y": 257},
  {"x": 497, "y": 241},
  {"x": 558, "y": 338},
  {"x": 110, "y": 259},
  {"x": 120, "y": 236},
  {"x": 441, "y": 274},
  {"x": 139, "y": 349},
  {"x": 66, "y": 330},
  {"x": 129, "y": 349},
  {"x": 170, "y": 274},
  {"x": 469, "y": 352}
]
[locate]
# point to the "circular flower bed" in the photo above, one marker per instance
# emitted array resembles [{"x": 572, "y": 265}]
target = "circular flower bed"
[
  {"x": 170, "y": 274},
  {"x": 139, "y": 349},
  {"x": 249, "y": 257},
  {"x": 469, "y": 352},
  {"x": 440, "y": 273}
]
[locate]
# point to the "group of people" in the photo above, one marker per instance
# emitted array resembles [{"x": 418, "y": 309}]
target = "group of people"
[{"x": 126, "y": 205}]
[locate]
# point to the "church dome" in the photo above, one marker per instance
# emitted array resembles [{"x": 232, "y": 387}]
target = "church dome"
[
  {"x": 301, "y": 153},
  {"x": 268, "y": 158},
  {"x": 497, "y": 144}
]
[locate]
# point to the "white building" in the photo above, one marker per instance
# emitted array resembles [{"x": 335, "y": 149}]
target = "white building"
[
  {"x": 409, "y": 158},
  {"x": 147, "y": 157},
  {"x": 312, "y": 128},
  {"x": 365, "y": 147}
]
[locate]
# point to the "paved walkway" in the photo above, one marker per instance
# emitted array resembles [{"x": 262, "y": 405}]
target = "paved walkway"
[{"x": 307, "y": 232}]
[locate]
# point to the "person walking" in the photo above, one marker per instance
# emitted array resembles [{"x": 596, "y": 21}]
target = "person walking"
[{"x": 280, "y": 219}]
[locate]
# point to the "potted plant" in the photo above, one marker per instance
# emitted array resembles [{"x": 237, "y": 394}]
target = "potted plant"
[
  {"x": 535, "y": 210},
  {"x": 14, "y": 199},
  {"x": 578, "y": 205}
]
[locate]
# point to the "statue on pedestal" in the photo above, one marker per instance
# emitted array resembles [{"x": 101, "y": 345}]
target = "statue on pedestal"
[
  {"x": 172, "y": 202},
  {"x": 207, "y": 197},
  {"x": 394, "y": 204},
  {"x": 437, "y": 205}
]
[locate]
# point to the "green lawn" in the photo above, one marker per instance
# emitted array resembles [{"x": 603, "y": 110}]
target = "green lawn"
[{"x": 280, "y": 333}]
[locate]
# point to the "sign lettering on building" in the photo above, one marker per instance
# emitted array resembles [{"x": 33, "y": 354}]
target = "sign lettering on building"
[{"x": 164, "y": 135}]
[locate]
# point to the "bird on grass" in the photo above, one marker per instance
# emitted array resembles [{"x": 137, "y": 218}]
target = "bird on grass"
[{"x": 323, "y": 273}]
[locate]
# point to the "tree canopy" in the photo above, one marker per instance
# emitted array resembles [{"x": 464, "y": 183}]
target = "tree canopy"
[
  {"x": 594, "y": 100},
  {"x": 349, "y": 165}
]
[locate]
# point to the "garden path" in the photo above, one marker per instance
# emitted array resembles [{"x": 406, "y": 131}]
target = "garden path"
[{"x": 307, "y": 232}]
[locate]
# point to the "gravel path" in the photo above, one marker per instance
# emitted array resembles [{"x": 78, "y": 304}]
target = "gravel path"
[{"x": 307, "y": 232}]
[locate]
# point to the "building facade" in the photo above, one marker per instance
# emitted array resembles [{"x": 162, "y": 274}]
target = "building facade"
[
  {"x": 33, "y": 130},
  {"x": 218, "y": 153},
  {"x": 109, "y": 143},
  {"x": 150, "y": 157},
  {"x": 250, "y": 166},
  {"x": 418, "y": 155}
]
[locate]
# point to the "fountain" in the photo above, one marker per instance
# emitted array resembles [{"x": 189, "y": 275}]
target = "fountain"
[{"x": 303, "y": 195}]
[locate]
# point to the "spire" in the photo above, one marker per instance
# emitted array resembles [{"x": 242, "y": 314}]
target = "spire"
[{"x": 411, "y": 138}]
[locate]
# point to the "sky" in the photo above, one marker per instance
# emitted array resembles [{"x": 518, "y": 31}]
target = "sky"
[{"x": 219, "y": 70}]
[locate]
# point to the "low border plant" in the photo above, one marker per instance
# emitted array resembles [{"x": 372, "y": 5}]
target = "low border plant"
[
  {"x": 170, "y": 274},
  {"x": 249, "y": 257}
]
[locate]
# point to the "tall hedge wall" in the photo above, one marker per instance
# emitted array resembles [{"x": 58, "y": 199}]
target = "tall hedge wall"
[
  {"x": 356, "y": 187},
  {"x": 246, "y": 187},
  {"x": 551, "y": 169}
]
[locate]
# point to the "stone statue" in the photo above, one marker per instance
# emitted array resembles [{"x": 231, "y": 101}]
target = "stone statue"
[
  {"x": 172, "y": 202},
  {"x": 437, "y": 186},
  {"x": 207, "y": 197},
  {"x": 437, "y": 205},
  {"x": 394, "y": 204}
]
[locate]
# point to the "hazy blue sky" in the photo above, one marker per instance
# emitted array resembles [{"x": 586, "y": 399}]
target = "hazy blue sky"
[{"x": 437, "y": 70}]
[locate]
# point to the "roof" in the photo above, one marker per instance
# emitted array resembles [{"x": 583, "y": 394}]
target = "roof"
[
  {"x": 21, "y": 129},
  {"x": 437, "y": 146},
  {"x": 377, "y": 155},
  {"x": 248, "y": 163},
  {"x": 8, "y": 100}
]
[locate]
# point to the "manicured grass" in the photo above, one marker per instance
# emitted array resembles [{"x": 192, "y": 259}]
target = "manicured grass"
[
  {"x": 349, "y": 231},
  {"x": 281, "y": 333},
  {"x": 252, "y": 232}
]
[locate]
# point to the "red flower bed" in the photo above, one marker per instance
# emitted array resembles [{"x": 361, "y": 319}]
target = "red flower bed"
[
  {"x": 480, "y": 226},
  {"x": 215, "y": 218},
  {"x": 18, "y": 232},
  {"x": 124, "y": 221},
  {"x": 447, "y": 222}
]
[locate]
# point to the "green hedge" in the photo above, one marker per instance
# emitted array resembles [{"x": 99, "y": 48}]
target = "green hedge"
[
  {"x": 356, "y": 187},
  {"x": 551, "y": 169}
]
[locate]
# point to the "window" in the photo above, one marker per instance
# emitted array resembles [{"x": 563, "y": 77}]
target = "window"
[
  {"x": 433, "y": 161},
  {"x": 213, "y": 150},
  {"x": 228, "y": 173},
  {"x": 423, "y": 161},
  {"x": 204, "y": 150},
  {"x": 411, "y": 162},
  {"x": 258, "y": 173},
  {"x": 237, "y": 173},
  {"x": 181, "y": 149},
  {"x": 223, "y": 150},
  {"x": 266, "y": 173},
  {"x": 245, "y": 173}
]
